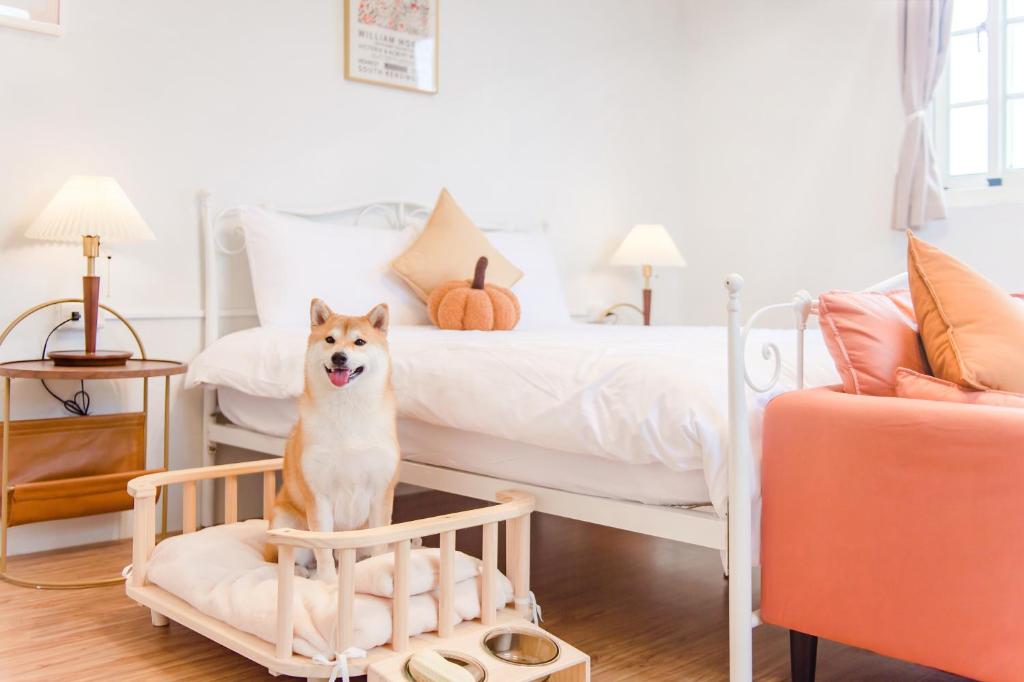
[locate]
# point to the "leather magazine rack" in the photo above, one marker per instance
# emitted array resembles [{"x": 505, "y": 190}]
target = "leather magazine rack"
[{"x": 95, "y": 458}]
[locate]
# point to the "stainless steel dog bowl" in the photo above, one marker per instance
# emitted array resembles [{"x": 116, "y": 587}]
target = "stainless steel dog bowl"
[
  {"x": 473, "y": 666},
  {"x": 521, "y": 646}
]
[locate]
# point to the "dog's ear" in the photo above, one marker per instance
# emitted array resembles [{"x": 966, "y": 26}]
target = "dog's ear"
[
  {"x": 378, "y": 317},
  {"x": 318, "y": 312}
]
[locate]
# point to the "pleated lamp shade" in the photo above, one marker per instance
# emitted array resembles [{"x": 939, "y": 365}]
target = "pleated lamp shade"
[{"x": 90, "y": 205}]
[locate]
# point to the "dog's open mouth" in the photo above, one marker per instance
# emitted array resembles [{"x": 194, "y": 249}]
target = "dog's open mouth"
[{"x": 340, "y": 376}]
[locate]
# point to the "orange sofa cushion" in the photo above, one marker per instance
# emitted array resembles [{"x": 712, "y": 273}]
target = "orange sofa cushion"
[
  {"x": 911, "y": 384},
  {"x": 896, "y": 526},
  {"x": 870, "y": 335},
  {"x": 972, "y": 330}
]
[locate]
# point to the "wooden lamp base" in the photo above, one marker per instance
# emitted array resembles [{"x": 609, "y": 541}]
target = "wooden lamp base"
[
  {"x": 90, "y": 357},
  {"x": 81, "y": 358}
]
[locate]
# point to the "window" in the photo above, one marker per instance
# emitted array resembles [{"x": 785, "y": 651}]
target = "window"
[{"x": 979, "y": 105}]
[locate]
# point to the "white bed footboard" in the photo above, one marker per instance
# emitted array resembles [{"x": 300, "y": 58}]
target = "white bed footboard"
[
  {"x": 742, "y": 615},
  {"x": 513, "y": 507}
]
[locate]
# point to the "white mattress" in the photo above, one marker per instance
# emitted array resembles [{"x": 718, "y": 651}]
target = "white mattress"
[
  {"x": 628, "y": 395},
  {"x": 481, "y": 454}
]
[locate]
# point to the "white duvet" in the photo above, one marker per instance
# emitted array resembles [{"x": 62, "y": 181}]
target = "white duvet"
[
  {"x": 633, "y": 394},
  {"x": 628, "y": 393}
]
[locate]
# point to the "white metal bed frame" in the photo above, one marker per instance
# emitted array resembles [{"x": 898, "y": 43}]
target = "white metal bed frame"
[{"x": 693, "y": 526}]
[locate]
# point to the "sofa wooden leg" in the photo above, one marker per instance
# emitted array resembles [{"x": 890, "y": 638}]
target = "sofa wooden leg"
[
  {"x": 803, "y": 655},
  {"x": 158, "y": 619}
]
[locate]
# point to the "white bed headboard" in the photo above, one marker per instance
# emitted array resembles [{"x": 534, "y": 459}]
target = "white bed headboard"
[{"x": 224, "y": 239}]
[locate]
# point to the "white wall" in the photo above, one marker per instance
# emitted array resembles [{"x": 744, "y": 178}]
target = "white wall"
[{"x": 763, "y": 134}]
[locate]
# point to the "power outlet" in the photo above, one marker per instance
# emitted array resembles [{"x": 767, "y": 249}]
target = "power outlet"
[{"x": 64, "y": 311}]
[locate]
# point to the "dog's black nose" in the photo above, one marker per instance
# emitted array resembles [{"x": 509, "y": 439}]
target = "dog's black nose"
[{"x": 339, "y": 359}]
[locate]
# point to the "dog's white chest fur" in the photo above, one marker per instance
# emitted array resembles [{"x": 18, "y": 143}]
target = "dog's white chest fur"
[{"x": 349, "y": 459}]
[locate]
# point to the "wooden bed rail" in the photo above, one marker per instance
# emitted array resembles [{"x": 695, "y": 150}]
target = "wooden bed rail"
[
  {"x": 514, "y": 508},
  {"x": 143, "y": 490},
  {"x": 144, "y": 486},
  {"x": 512, "y": 504}
]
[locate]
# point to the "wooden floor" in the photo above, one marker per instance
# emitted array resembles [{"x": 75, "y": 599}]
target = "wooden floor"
[{"x": 644, "y": 609}]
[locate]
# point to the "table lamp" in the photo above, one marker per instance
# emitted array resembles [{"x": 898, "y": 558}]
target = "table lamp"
[
  {"x": 648, "y": 246},
  {"x": 90, "y": 208}
]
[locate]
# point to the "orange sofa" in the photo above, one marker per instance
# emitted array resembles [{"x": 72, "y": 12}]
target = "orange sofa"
[{"x": 895, "y": 525}]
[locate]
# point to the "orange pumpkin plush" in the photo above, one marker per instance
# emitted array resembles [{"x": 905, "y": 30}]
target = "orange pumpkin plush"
[{"x": 464, "y": 304}]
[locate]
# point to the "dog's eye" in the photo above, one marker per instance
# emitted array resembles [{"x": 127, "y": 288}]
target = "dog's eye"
[
  {"x": 329, "y": 339},
  {"x": 360, "y": 342}
]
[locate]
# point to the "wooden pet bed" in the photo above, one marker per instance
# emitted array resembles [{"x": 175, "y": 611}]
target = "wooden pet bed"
[{"x": 384, "y": 663}]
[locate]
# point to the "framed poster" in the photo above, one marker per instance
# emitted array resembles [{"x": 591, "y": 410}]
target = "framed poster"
[
  {"x": 41, "y": 16},
  {"x": 392, "y": 42}
]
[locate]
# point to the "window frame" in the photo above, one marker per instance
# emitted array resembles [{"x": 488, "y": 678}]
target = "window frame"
[{"x": 997, "y": 173}]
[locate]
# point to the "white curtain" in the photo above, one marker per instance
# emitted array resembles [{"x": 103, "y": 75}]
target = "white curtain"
[{"x": 924, "y": 40}]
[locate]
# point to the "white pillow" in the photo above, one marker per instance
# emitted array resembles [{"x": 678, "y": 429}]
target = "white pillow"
[
  {"x": 293, "y": 260},
  {"x": 376, "y": 575},
  {"x": 263, "y": 361},
  {"x": 541, "y": 297}
]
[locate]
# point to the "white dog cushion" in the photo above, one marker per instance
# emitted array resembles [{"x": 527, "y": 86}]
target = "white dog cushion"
[
  {"x": 221, "y": 572},
  {"x": 376, "y": 575}
]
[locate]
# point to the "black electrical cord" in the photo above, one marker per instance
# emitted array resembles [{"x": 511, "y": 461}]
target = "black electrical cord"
[{"x": 79, "y": 403}]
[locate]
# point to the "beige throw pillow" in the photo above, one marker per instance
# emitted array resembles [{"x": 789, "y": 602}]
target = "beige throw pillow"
[{"x": 448, "y": 248}]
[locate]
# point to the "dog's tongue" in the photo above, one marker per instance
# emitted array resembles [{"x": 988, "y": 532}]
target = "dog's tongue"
[{"x": 339, "y": 377}]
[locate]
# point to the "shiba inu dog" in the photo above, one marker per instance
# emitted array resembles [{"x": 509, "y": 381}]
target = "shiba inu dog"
[{"x": 341, "y": 459}]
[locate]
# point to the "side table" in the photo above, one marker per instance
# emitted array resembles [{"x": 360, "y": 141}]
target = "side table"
[
  {"x": 67, "y": 467},
  {"x": 101, "y": 490}
]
